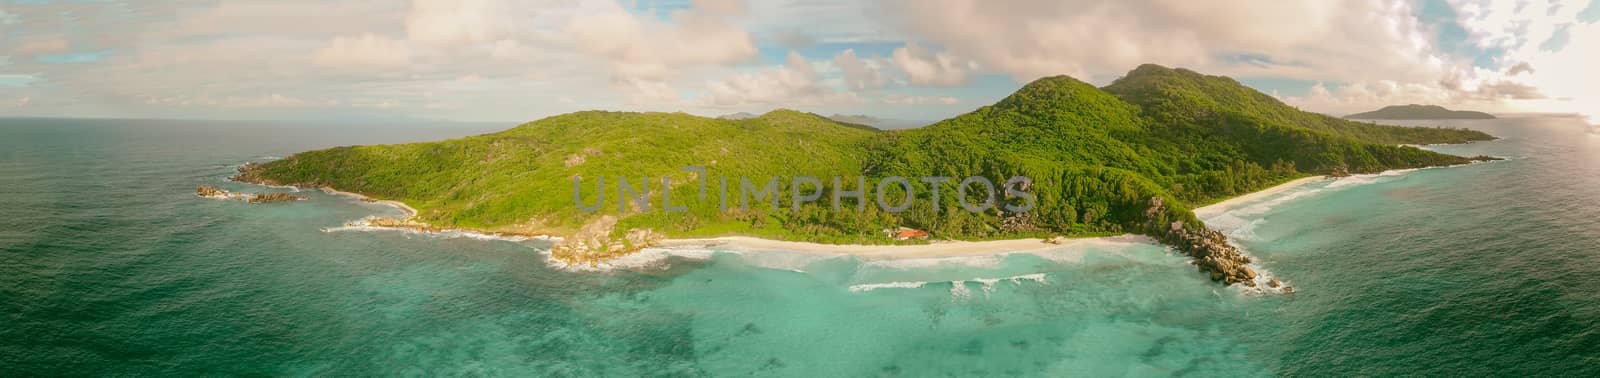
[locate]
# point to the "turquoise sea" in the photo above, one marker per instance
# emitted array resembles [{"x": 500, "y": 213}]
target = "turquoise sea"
[{"x": 109, "y": 265}]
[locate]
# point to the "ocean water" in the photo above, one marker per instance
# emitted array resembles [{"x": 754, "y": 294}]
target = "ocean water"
[{"x": 109, "y": 265}]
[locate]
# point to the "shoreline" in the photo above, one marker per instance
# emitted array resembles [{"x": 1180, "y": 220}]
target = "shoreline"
[
  {"x": 410, "y": 211},
  {"x": 936, "y": 249},
  {"x": 933, "y": 250},
  {"x": 1228, "y": 204},
  {"x": 953, "y": 248}
]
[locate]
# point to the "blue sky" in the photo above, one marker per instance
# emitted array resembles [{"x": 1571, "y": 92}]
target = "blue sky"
[{"x": 515, "y": 60}]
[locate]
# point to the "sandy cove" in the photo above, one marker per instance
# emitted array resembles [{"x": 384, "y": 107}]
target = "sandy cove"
[
  {"x": 410, "y": 212},
  {"x": 939, "y": 249},
  {"x": 1231, "y": 203},
  {"x": 935, "y": 249}
]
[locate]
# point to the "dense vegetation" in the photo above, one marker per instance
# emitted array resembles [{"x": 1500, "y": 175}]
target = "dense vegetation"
[
  {"x": 1415, "y": 111},
  {"x": 1097, "y": 156}
]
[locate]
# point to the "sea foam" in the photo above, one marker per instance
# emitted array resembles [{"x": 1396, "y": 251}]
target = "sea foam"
[{"x": 958, "y": 288}]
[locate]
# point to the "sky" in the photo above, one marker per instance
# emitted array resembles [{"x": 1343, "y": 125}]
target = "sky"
[{"x": 519, "y": 60}]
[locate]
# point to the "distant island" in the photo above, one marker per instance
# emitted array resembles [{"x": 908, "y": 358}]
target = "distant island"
[
  {"x": 1419, "y": 112},
  {"x": 1132, "y": 157}
]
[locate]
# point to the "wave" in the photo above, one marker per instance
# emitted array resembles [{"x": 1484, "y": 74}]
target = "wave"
[
  {"x": 887, "y": 285},
  {"x": 1263, "y": 282},
  {"x": 230, "y": 196},
  {"x": 648, "y": 258},
  {"x": 958, "y": 288},
  {"x": 979, "y": 261},
  {"x": 1241, "y": 217}
]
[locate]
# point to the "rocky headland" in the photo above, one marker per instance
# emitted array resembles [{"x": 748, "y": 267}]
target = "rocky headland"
[{"x": 1210, "y": 249}]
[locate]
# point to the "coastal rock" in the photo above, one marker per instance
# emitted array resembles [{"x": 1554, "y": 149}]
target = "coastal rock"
[
  {"x": 1209, "y": 248},
  {"x": 593, "y": 243},
  {"x": 642, "y": 237},
  {"x": 274, "y": 198},
  {"x": 402, "y": 223},
  {"x": 209, "y": 191},
  {"x": 252, "y": 173},
  {"x": 1340, "y": 171}
]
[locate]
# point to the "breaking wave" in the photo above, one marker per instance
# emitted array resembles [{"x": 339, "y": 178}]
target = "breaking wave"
[{"x": 958, "y": 288}]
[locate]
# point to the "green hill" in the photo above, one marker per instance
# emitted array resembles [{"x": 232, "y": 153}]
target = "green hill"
[
  {"x": 1131, "y": 157},
  {"x": 1415, "y": 112}
]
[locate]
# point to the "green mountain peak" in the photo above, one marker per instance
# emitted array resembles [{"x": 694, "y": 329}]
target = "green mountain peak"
[{"x": 1130, "y": 157}]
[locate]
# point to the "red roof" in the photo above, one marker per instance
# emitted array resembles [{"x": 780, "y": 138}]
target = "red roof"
[{"x": 909, "y": 234}]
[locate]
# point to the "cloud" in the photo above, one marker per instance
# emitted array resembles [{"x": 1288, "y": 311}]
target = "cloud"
[
  {"x": 920, "y": 100},
  {"x": 1563, "y": 80},
  {"x": 446, "y": 23},
  {"x": 7, "y": 18},
  {"x": 860, "y": 74},
  {"x": 796, "y": 83},
  {"x": 645, "y": 53},
  {"x": 1098, "y": 40},
  {"x": 924, "y": 67},
  {"x": 1520, "y": 68},
  {"x": 722, "y": 7},
  {"x": 793, "y": 39},
  {"x": 1510, "y": 91},
  {"x": 13, "y": 80},
  {"x": 1365, "y": 96},
  {"x": 364, "y": 51},
  {"x": 538, "y": 57},
  {"x": 42, "y": 46}
]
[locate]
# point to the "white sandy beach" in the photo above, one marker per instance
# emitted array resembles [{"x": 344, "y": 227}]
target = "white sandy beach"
[
  {"x": 1228, "y": 204},
  {"x": 940, "y": 249},
  {"x": 935, "y": 249},
  {"x": 410, "y": 212}
]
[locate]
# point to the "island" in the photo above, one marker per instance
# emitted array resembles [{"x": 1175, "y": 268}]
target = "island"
[
  {"x": 1133, "y": 157},
  {"x": 1419, "y": 112}
]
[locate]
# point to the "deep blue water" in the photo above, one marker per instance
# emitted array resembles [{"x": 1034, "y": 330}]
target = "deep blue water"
[{"x": 109, "y": 265}]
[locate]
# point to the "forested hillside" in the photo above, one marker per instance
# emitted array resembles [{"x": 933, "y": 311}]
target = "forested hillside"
[{"x": 1131, "y": 157}]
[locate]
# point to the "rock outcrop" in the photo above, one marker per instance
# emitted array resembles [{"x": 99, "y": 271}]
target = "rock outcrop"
[
  {"x": 593, "y": 243},
  {"x": 274, "y": 197},
  {"x": 1209, "y": 248},
  {"x": 251, "y": 173},
  {"x": 208, "y": 191}
]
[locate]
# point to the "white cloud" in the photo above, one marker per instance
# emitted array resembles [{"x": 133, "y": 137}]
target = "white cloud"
[
  {"x": 539, "y": 57},
  {"x": 644, "y": 53},
  {"x": 42, "y": 45},
  {"x": 1535, "y": 76},
  {"x": 794, "y": 84},
  {"x": 925, "y": 67},
  {"x": 448, "y": 23},
  {"x": 1365, "y": 96},
  {"x": 1096, "y": 40},
  {"x": 722, "y": 7},
  {"x": 860, "y": 74},
  {"x": 365, "y": 51},
  {"x": 920, "y": 100}
]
